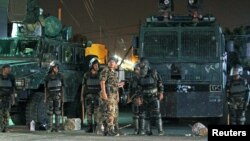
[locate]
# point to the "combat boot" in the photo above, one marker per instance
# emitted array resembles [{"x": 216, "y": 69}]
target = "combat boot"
[
  {"x": 57, "y": 128},
  {"x": 99, "y": 129},
  {"x": 136, "y": 126},
  {"x": 4, "y": 125},
  {"x": 111, "y": 131},
  {"x": 148, "y": 128},
  {"x": 89, "y": 128},
  {"x": 50, "y": 129},
  {"x": 160, "y": 127},
  {"x": 142, "y": 127}
]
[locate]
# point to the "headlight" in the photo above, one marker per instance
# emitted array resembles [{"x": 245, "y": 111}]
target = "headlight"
[
  {"x": 165, "y": 4},
  {"x": 20, "y": 83},
  {"x": 191, "y": 2},
  {"x": 194, "y": 4}
]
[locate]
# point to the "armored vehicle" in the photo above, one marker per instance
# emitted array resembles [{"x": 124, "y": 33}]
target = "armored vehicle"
[
  {"x": 39, "y": 42},
  {"x": 188, "y": 52}
]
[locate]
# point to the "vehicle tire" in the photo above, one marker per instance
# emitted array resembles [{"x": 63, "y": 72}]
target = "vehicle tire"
[
  {"x": 36, "y": 109},
  {"x": 18, "y": 119}
]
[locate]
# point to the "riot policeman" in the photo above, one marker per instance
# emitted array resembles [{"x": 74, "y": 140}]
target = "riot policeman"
[
  {"x": 54, "y": 85},
  {"x": 7, "y": 98},
  {"x": 152, "y": 92},
  {"x": 238, "y": 96},
  {"x": 90, "y": 94},
  {"x": 137, "y": 106}
]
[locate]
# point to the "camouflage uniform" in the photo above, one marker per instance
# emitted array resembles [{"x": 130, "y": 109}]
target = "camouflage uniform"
[
  {"x": 100, "y": 119},
  {"x": 111, "y": 82},
  {"x": 238, "y": 95},
  {"x": 7, "y": 85},
  {"x": 54, "y": 84},
  {"x": 91, "y": 93}
]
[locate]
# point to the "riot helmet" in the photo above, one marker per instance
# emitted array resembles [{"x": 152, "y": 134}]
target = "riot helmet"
[
  {"x": 137, "y": 69},
  {"x": 144, "y": 66},
  {"x": 92, "y": 62},
  {"x": 237, "y": 70},
  {"x": 52, "y": 65}
]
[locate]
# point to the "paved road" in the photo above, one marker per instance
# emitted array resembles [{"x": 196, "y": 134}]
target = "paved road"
[{"x": 174, "y": 131}]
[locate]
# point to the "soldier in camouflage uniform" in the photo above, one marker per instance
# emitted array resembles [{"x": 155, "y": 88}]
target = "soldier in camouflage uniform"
[
  {"x": 7, "y": 90},
  {"x": 137, "y": 107},
  {"x": 110, "y": 95},
  {"x": 54, "y": 84},
  {"x": 238, "y": 96},
  {"x": 152, "y": 93},
  {"x": 90, "y": 94}
]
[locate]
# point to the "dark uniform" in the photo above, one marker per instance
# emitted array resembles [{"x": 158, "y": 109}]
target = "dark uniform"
[
  {"x": 151, "y": 85},
  {"x": 238, "y": 97},
  {"x": 7, "y": 87},
  {"x": 54, "y": 84},
  {"x": 110, "y": 77},
  {"x": 137, "y": 108},
  {"x": 91, "y": 93}
]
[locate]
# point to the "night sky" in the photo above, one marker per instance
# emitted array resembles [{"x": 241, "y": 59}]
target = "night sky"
[{"x": 114, "y": 22}]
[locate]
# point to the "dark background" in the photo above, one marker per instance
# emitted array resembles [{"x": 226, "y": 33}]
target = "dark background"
[{"x": 115, "y": 22}]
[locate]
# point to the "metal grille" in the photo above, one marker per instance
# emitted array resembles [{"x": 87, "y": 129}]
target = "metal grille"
[
  {"x": 201, "y": 44},
  {"x": 161, "y": 44}
]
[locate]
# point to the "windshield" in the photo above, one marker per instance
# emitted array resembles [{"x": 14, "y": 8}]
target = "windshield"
[
  {"x": 182, "y": 44},
  {"x": 18, "y": 48}
]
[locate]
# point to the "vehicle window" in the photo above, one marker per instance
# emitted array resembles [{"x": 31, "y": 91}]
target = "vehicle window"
[
  {"x": 26, "y": 48},
  {"x": 68, "y": 55},
  {"x": 79, "y": 55}
]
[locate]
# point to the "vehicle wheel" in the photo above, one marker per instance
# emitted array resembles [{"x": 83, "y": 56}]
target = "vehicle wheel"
[
  {"x": 18, "y": 119},
  {"x": 36, "y": 109}
]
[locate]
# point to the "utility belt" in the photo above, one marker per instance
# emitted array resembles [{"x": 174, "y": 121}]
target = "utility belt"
[
  {"x": 150, "y": 92},
  {"x": 242, "y": 94},
  {"x": 54, "y": 89},
  {"x": 154, "y": 90},
  {"x": 93, "y": 90}
]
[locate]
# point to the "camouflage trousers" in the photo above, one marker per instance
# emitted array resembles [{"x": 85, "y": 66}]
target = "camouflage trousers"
[
  {"x": 54, "y": 104},
  {"x": 5, "y": 105},
  {"x": 237, "y": 111},
  {"x": 111, "y": 111},
  {"x": 92, "y": 108}
]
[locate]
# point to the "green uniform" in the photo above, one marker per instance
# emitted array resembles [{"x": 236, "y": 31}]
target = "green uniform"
[
  {"x": 91, "y": 96},
  {"x": 7, "y": 85},
  {"x": 54, "y": 85}
]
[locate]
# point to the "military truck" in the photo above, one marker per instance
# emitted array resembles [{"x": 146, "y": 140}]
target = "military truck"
[
  {"x": 188, "y": 52},
  {"x": 30, "y": 54}
]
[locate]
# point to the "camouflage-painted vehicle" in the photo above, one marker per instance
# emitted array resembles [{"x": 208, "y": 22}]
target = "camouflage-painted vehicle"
[
  {"x": 29, "y": 58},
  {"x": 188, "y": 52},
  {"x": 36, "y": 41}
]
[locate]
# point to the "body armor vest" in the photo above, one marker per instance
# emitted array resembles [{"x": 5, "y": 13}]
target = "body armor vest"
[
  {"x": 148, "y": 82},
  {"x": 54, "y": 84},
  {"x": 5, "y": 85},
  {"x": 93, "y": 85},
  {"x": 238, "y": 88}
]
